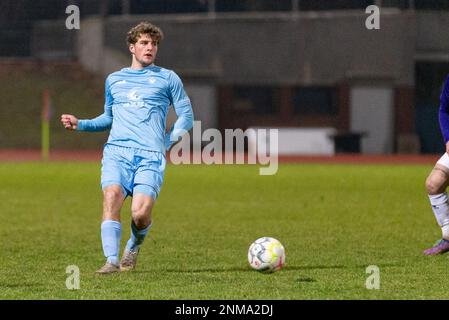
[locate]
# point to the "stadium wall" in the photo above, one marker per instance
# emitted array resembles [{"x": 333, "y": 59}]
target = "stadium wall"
[
  {"x": 274, "y": 48},
  {"x": 305, "y": 48},
  {"x": 212, "y": 54}
]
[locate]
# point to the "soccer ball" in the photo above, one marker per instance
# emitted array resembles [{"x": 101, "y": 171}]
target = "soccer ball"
[{"x": 266, "y": 254}]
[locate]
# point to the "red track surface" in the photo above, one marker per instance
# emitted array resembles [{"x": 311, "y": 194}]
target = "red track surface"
[{"x": 12, "y": 155}]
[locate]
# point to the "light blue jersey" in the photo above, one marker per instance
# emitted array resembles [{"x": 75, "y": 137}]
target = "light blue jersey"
[{"x": 136, "y": 107}]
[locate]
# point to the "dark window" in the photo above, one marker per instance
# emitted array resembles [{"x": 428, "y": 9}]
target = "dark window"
[
  {"x": 15, "y": 41},
  {"x": 429, "y": 83},
  {"x": 429, "y": 79},
  {"x": 252, "y": 99},
  {"x": 252, "y": 5},
  {"x": 334, "y": 4},
  {"x": 401, "y": 4},
  {"x": 164, "y": 6},
  {"x": 315, "y": 100},
  {"x": 115, "y": 7},
  {"x": 432, "y": 4}
]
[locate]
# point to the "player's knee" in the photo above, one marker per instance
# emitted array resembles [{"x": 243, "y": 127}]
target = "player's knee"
[
  {"x": 433, "y": 186},
  {"x": 141, "y": 216},
  {"x": 141, "y": 221},
  {"x": 112, "y": 194}
]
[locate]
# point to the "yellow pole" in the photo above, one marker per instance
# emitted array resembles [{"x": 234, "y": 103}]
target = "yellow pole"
[
  {"x": 45, "y": 140},
  {"x": 45, "y": 133}
]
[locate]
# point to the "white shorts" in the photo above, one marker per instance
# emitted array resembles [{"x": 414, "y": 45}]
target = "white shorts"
[{"x": 444, "y": 160}]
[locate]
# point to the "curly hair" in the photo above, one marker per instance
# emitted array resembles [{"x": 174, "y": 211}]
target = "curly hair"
[{"x": 144, "y": 28}]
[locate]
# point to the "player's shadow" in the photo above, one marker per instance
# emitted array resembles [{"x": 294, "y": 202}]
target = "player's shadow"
[
  {"x": 243, "y": 269},
  {"x": 287, "y": 268},
  {"x": 19, "y": 285},
  {"x": 200, "y": 270},
  {"x": 339, "y": 266}
]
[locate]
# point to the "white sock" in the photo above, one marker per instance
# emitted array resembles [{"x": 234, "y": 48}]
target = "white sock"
[{"x": 440, "y": 207}]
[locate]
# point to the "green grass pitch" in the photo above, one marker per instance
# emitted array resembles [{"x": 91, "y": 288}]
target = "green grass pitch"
[{"x": 334, "y": 221}]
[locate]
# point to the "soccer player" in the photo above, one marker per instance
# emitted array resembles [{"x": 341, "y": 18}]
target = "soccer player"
[
  {"x": 438, "y": 179},
  {"x": 137, "y": 100}
]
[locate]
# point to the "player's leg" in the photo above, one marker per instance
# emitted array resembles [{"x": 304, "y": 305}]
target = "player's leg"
[
  {"x": 111, "y": 230},
  {"x": 141, "y": 219},
  {"x": 115, "y": 181},
  {"x": 436, "y": 185},
  {"x": 147, "y": 185},
  {"x": 141, "y": 208}
]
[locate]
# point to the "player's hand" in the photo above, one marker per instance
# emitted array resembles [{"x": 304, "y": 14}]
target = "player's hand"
[{"x": 69, "y": 122}]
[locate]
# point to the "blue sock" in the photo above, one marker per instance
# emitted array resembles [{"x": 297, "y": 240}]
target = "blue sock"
[
  {"x": 111, "y": 233},
  {"x": 137, "y": 237}
]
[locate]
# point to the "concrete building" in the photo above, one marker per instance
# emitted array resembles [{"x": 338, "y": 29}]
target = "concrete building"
[{"x": 317, "y": 69}]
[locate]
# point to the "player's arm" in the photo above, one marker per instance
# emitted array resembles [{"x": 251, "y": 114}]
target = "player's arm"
[
  {"x": 183, "y": 108},
  {"x": 100, "y": 123},
  {"x": 444, "y": 113}
]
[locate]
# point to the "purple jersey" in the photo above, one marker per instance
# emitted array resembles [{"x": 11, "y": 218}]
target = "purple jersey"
[{"x": 444, "y": 111}]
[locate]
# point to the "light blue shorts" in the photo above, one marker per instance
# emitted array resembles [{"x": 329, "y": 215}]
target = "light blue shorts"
[{"x": 135, "y": 170}]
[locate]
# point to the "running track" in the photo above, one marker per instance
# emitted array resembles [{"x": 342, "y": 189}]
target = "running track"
[{"x": 12, "y": 155}]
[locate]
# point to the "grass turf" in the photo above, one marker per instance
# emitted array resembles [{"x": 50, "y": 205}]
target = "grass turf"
[{"x": 334, "y": 221}]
